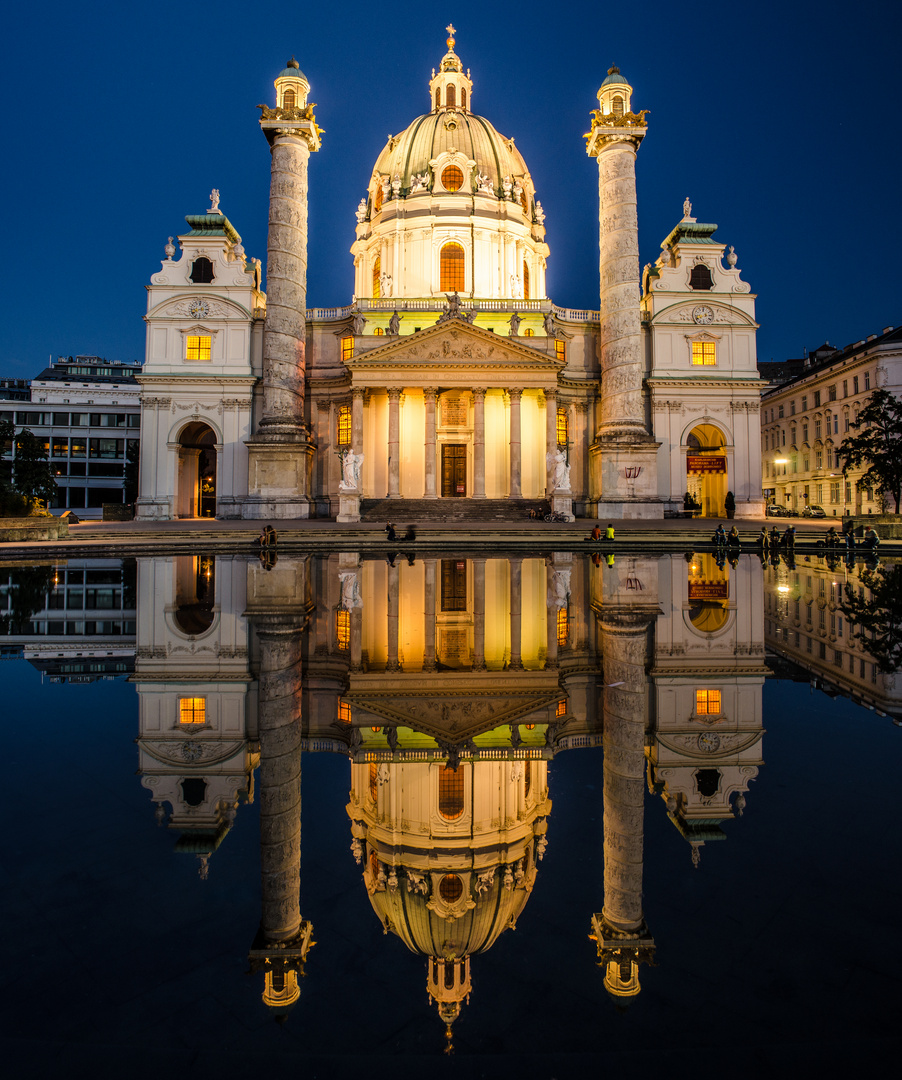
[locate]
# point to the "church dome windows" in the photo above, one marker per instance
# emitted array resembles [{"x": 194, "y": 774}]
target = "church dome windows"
[
  {"x": 201, "y": 271},
  {"x": 289, "y": 99},
  {"x": 451, "y": 793},
  {"x": 451, "y": 96},
  {"x": 452, "y": 178},
  {"x": 525, "y": 280},
  {"x": 617, "y": 106},
  {"x": 452, "y": 269},
  {"x": 377, "y": 278},
  {"x": 438, "y": 98},
  {"x": 451, "y": 889},
  {"x": 704, "y": 353}
]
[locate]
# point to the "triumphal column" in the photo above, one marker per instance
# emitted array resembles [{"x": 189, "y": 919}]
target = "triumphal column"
[
  {"x": 281, "y": 450},
  {"x": 623, "y": 470}
]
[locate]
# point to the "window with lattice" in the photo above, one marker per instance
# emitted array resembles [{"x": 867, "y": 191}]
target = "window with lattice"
[
  {"x": 347, "y": 348},
  {"x": 560, "y": 349},
  {"x": 617, "y": 106},
  {"x": 192, "y": 710},
  {"x": 451, "y": 96},
  {"x": 563, "y": 427},
  {"x": 561, "y": 709},
  {"x": 198, "y": 347},
  {"x": 343, "y": 429},
  {"x": 704, "y": 353},
  {"x": 525, "y": 267},
  {"x": 563, "y": 626},
  {"x": 452, "y": 178},
  {"x": 451, "y": 272},
  {"x": 288, "y": 99},
  {"x": 454, "y": 585},
  {"x": 343, "y": 629},
  {"x": 451, "y": 793},
  {"x": 202, "y": 271},
  {"x": 377, "y": 270},
  {"x": 700, "y": 277},
  {"x": 344, "y": 711},
  {"x": 374, "y": 780},
  {"x": 707, "y": 702}
]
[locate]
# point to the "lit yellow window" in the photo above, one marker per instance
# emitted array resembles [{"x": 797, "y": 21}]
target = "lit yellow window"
[
  {"x": 344, "y": 711},
  {"x": 451, "y": 793},
  {"x": 704, "y": 353},
  {"x": 563, "y": 427},
  {"x": 343, "y": 434},
  {"x": 379, "y": 332},
  {"x": 288, "y": 100},
  {"x": 563, "y": 626},
  {"x": 192, "y": 710},
  {"x": 529, "y": 333},
  {"x": 452, "y": 177},
  {"x": 452, "y": 268},
  {"x": 377, "y": 269},
  {"x": 561, "y": 709},
  {"x": 343, "y": 629},
  {"x": 347, "y": 348},
  {"x": 525, "y": 267},
  {"x": 707, "y": 702},
  {"x": 198, "y": 347},
  {"x": 560, "y": 349}
]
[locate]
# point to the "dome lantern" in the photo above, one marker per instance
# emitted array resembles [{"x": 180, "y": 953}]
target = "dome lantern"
[
  {"x": 450, "y": 88},
  {"x": 292, "y": 87},
  {"x": 614, "y": 94}
]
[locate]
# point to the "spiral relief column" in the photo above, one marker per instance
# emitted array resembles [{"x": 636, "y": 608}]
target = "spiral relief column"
[
  {"x": 281, "y": 451},
  {"x": 623, "y": 473},
  {"x": 284, "y": 938}
]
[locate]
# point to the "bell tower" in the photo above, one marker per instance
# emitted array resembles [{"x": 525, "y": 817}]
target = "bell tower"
[{"x": 623, "y": 461}]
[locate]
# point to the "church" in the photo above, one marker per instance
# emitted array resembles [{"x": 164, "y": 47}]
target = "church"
[{"x": 451, "y": 375}]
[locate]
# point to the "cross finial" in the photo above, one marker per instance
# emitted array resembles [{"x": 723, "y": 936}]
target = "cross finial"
[{"x": 451, "y": 33}]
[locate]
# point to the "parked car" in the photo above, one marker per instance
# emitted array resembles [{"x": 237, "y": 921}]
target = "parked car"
[
  {"x": 814, "y": 511},
  {"x": 776, "y": 510}
]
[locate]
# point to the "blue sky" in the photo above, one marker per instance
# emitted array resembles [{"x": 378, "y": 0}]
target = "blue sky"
[{"x": 780, "y": 121}]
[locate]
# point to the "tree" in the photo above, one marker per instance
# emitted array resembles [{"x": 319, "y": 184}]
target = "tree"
[
  {"x": 878, "y": 619},
  {"x": 130, "y": 473},
  {"x": 877, "y": 445},
  {"x": 32, "y": 475}
]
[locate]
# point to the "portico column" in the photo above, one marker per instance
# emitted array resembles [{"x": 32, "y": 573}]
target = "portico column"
[
  {"x": 429, "y": 616},
  {"x": 357, "y": 393},
  {"x": 551, "y": 627},
  {"x": 578, "y": 451},
  {"x": 550, "y": 438},
  {"x": 516, "y": 566},
  {"x": 478, "y": 442},
  {"x": 479, "y": 614},
  {"x": 515, "y": 395},
  {"x": 429, "y": 394},
  {"x": 393, "y": 575},
  {"x": 394, "y": 443}
]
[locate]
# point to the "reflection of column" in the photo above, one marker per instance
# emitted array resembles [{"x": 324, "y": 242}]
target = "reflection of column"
[
  {"x": 516, "y": 566},
  {"x": 551, "y": 628},
  {"x": 280, "y": 948},
  {"x": 479, "y": 614},
  {"x": 620, "y": 931},
  {"x": 429, "y": 645},
  {"x": 394, "y": 443},
  {"x": 478, "y": 442},
  {"x": 578, "y": 452},
  {"x": 356, "y": 638},
  {"x": 550, "y": 438},
  {"x": 393, "y": 577},
  {"x": 357, "y": 393},
  {"x": 429, "y": 398},
  {"x": 515, "y": 395}
]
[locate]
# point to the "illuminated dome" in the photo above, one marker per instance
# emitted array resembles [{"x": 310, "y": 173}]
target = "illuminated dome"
[{"x": 450, "y": 178}]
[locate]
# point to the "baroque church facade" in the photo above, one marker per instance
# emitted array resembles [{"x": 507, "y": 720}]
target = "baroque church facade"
[{"x": 452, "y": 375}]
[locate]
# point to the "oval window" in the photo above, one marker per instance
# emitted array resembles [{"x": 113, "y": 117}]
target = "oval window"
[
  {"x": 452, "y": 178},
  {"x": 451, "y": 888}
]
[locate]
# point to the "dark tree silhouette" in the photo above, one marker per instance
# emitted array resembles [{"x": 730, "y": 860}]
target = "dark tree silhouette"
[
  {"x": 877, "y": 445},
  {"x": 878, "y": 620}
]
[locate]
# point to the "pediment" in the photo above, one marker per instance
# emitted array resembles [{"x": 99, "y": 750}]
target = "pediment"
[
  {"x": 455, "y": 344},
  {"x": 454, "y": 717},
  {"x": 186, "y": 307}
]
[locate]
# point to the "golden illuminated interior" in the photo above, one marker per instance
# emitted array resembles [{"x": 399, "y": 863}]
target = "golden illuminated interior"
[
  {"x": 704, "y": 353},
  {"x": 707, "y": 702},
  {"x": 343, "y": 629},
  {"x": 563, "y": 626},
  {"x": 563, "y": 427},
  {"x": 347, "y": 348},
  {"x": 344, "y": 711},
  {"x": 192, "y": 710},
  {"x": 452, "y": 177},
  {"x": 451, "y": 793},
  {"x": 560, "y": 349},
  {"x": 198, "y": 347},
  {"x": 452, "y": 268},
  {"x": 343, "y": 433}
]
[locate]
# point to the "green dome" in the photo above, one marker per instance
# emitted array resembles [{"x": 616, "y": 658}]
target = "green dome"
[
  {"x": 292, "y": 71},
  {"x": 614, "y": 76}
]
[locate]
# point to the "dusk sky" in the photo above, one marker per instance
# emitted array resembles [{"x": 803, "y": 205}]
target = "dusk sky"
[{"x": 779, "y": 121}]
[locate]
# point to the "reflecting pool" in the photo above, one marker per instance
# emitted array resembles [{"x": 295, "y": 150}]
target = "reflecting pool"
[{"x": 537, "y": 814}]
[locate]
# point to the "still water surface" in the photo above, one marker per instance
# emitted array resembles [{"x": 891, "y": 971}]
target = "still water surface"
[{"x": 628, "y": 766}]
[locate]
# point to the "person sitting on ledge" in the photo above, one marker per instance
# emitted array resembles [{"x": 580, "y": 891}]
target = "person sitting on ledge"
[
  {"x": 609, "y": 532},
  {"x": 595, "y": 534},
  {"x": 390, "y": 532}
]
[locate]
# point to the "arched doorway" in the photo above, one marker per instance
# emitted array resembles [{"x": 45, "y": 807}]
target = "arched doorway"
[
  {"x": 195, "y": 588},
  {"x": 197, "y": 471},
  {"x": 706, "y": 469}
]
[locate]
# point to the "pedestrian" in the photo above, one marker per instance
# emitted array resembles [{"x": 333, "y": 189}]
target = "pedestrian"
[
  {"x": 849, "y": 535},
  {"x": 871, "y": 539},
  {"x": 390, "y": 532},
  {"x": 595, "y": 535},
  {"x": 774, "y": 539},
  {"x": 271, "y": 536},
  {"x": 789, "y": 538},
  {"x": 609, "y": 532},
  {"x": 720, "y": 537},
  {"x": 733, "y": 539}
]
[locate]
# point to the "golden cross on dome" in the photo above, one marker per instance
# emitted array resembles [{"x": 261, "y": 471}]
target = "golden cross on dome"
[{"x": 451, "y": 33}]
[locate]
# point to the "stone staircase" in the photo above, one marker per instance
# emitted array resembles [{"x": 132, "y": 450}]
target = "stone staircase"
[{"x": 405, "y": 512}]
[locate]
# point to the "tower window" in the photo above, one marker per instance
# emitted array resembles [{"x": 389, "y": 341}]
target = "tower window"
[
  {"x": 194, "y": 790},
  {"x": 563, "y": 627},
  {"x": 525, "y": 268},
  {"x": 377, "y": 198},
  {"x": 288, "y": 99},
  {"x": 560, "y": 349},
  {"x": 452, "y": 178},
  {"x": 617, "y": 106},
  {"x": 463, "y": 98},
  {"x": 202, "y": 271},
  {"x": 451, "y": 793},
  {"x": 438, "y": 98},
  {"x": 452, "y": 268},
  {"x": 343, "y": 432},
  {"x": 563, "y": 427},
  {"x": 451, "y": 96},
  {"x": 344, "y": 711},
  {"x": 374, "y": 788},
  {"x": 197, "y": 347},
  {"x": 700, "y": 278},
  {"x": 377, "y": 275},
  {"x": 192, "y": 710},
  {"x": 529, "y": 332},
  {"x": 527, "y": 786},
  {"x": 347, "y": 348},
  {"x": 707, "y": 702},
  {"x": 704, "y": 353},
  {"x": 451, "y": 888}
]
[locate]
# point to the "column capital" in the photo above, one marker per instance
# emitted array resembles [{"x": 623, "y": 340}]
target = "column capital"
[
  {"x": 358, "y": 391},
  {"x": 582, "y": 407},
  {"x": 478, "y": 391},
  {"x": 515, "y": 392},
  {"x": 394, "y": 394},
  {"x": 430, "y": 393},
  {"x": 551, "y": 394}
]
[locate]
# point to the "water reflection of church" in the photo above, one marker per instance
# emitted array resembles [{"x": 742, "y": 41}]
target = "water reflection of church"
[{"x": 450, "y": 683}]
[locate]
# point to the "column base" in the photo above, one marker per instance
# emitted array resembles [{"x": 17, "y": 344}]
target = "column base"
[
  {"x": 278, "y": 476},
  {"x": 562, "y": 504},
  {"x": 623, "y": 476},
  {"x": 348, "y": 506}
]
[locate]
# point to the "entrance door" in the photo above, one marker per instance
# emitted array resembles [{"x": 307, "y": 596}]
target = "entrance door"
[{"x": 454, "y": 471}]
